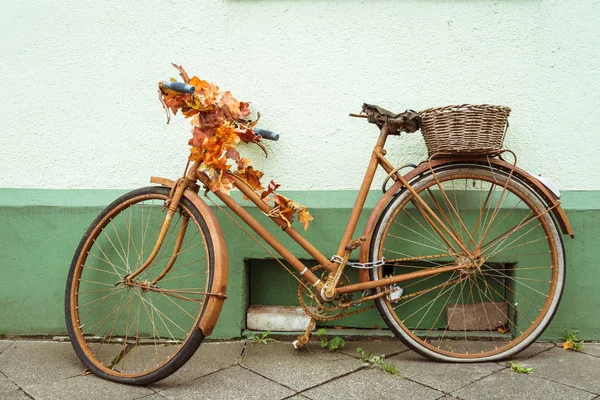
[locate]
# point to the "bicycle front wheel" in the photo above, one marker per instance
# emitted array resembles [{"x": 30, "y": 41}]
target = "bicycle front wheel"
[
  {"x": 513, "y": 267},
  {"x": 141, "y": 331}
]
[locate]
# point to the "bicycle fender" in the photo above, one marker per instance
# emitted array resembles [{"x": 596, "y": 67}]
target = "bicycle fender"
[
  {"x": 219, "y": 285},
  {"x": 543, "y": 192}
]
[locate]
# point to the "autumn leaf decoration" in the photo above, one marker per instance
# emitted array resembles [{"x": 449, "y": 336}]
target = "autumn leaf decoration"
[{"x": 219, "y": 124}]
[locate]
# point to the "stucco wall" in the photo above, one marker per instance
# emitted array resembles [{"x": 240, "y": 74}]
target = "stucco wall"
[{"x": 80, "y": 110}]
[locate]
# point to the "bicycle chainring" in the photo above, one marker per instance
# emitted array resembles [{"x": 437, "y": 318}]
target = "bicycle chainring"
[{"x": 313, "y": 304}]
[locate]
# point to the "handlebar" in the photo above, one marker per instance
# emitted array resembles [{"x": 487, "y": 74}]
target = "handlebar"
[
  {"x": 178, "y": 87},
  {"x": 189, "y": 89},
  {"x": 265, "y": 134}
]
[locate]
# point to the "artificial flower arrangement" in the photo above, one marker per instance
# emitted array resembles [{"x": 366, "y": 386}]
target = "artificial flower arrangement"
[{"x": 219, "y": 124}]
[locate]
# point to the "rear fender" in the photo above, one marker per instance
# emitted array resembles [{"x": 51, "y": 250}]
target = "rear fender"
[
  {"x": 219, "y": 284},
  {"x": 543, "y": 192}
]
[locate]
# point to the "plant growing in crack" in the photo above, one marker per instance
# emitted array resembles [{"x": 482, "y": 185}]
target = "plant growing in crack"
[
  {"x": 571, "y": 341},
  {"x": 517, "y": 367},
  {"x": 333, "y": 344},
  {"x": 379, "y": 362},
  {"x": 262, "y": 338}
]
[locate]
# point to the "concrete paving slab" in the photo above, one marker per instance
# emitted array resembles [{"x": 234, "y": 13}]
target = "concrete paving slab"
[
  {"x": 31, "y": 363},
  {"x": 4, "y": 344},
  {"x": 442, "y": 376},
  {"x": 298, "y": 369},
  {"x": 532, "y": 350},
  {"x": 15, "y": 395},
  {"x": 569, "y": 367},
  {"x": 592, "y": 349},
  {"x": 6, "y": 385},
  {"x": 87, "y": 387},
  {"x": 372, "y": 383},
  {"x": 209, "y": 357},
  {"x": 387, "y": 347},
  {"x": 231, "y": 383},
  {"x": 511, "y": 385}
]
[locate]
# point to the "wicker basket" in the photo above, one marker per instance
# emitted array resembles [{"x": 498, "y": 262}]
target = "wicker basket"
[{"x": 465, "y": 128}]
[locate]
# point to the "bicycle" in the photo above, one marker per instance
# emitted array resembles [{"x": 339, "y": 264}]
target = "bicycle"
[{"x": 462, "y": 256}]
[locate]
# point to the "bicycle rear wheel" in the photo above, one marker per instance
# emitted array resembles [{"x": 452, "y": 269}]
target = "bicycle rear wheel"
[
  {"x": 513, "y": 274},
  {"x": 142, "y": 332}
]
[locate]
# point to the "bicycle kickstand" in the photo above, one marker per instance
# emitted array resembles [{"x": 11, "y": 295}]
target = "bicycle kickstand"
[{"x": 305, "y": 337}]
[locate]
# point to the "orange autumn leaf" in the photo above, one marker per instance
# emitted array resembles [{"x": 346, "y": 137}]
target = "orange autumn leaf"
[
  {"x": 567, "y": 345},
  {"x": 196, "y": 155},
  {"x": 212, "y": 119},
  {"x": 243, "y": 163},
  {"x": 304, "y": 217},
  {"x": 234, "y": 108},
  {"x": 271, "y": 187},
  {"x": 209, "y": 95},
  {"x": 286, "y": 211},
  {"x": 174, "y": 101},
  {"x": 232, "y": 154},
  {"x": 228, "y": 136},
  {"x": 199, "y": 136},
  {"x": 218, "y": 163},
  {"x": 249, "y": 136},
  {"x": 213, "y": 146},
  {"x": 251, "y": 176},
  {"x": 221, "y": 182},
  {"x": 502, "y": 330},
  {"x": 199, "y": 84}
]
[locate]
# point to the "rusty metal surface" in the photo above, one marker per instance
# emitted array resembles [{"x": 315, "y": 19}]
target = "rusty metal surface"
[{"x": 221, "y": 270}]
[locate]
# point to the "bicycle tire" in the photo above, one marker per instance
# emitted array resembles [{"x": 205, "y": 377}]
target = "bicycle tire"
[
  {"x": 132, "y": 334},
  {"x": 511, "y": 296}
]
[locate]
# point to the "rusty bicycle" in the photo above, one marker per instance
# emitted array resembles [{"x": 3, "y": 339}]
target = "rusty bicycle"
[{"x": 462, "y": 256}]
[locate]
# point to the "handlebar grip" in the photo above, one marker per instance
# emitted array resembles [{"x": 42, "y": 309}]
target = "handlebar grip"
[
  {"x": 265, "y": 134},
  {"x": 178, "y": 87}
]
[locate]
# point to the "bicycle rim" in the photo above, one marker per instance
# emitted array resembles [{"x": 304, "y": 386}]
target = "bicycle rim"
[
  {"x": 513, "y": 277},
  {"x": 143, "y": 332}
]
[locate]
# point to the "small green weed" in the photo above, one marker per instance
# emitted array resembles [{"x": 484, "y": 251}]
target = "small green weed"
[
  {"x": 262, "y": 339},
  {"x": 379, "y": 362},
  {"x": 517, "y": 367},
  {"x": 571, "y": 341},
  {"x": 332, "y": 344},
  {"x": 364, "y": 358}
]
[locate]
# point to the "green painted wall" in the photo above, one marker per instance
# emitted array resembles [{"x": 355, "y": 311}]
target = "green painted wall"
[{"x": 40, "y": 230}]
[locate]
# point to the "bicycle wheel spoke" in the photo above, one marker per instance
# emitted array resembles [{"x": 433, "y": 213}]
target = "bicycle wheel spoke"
[{"x": 425, "y": 228}]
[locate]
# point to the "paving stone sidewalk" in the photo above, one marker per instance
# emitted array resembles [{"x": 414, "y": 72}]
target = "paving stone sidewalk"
[{"x": 245, "y": 370}]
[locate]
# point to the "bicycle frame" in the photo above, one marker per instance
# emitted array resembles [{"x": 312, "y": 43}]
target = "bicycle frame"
[
  {"x": 336, "y": 265},
  {"x": 343, "y": 252}
]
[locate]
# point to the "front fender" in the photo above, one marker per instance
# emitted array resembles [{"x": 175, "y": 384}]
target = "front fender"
[
  {"x": 543, "y": 192},
  {"x": 219, "y": 283}
]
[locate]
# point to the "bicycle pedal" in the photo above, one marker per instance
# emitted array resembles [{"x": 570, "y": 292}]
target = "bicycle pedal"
[{"x": 395, "y": 293}]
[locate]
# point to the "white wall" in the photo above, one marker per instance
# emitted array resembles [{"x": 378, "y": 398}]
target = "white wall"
[{"x": 79, "y": 107}]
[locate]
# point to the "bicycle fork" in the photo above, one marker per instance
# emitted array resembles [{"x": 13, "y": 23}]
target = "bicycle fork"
[{"x": 172, "y": 203}]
